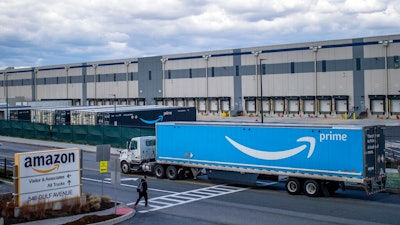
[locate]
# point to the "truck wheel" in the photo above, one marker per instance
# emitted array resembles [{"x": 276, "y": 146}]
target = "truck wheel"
[
  {"x": 125, "y": 167},
  {"x": 333, "y": 186},
  {"x": 312, "y": 188},
  {"x": 172, "y": 172},
  {"x": 293, "y": 186},
  {"x": 159, "y": 171}
]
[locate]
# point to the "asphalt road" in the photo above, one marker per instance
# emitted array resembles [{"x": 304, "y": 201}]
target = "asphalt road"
[{"x": 203, "y": 202}]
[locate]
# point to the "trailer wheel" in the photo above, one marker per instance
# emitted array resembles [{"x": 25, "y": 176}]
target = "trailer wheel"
[
  {"x": 125, "y": 167},
  {"x": 293, "y": 186},
  {"x": 312, "y": 188},
  {"x": 159, "y": 171},
  {"x": 172, "y": 173}
]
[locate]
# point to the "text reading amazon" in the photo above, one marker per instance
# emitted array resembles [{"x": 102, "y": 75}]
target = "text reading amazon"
[{"x": 48, "y": 175}]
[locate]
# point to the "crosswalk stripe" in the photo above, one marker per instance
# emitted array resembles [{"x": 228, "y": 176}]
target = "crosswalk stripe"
[{"x": 171, "y": 200}]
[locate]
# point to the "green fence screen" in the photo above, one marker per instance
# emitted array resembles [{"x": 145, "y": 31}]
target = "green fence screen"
[{"x": 116, "y": 136}]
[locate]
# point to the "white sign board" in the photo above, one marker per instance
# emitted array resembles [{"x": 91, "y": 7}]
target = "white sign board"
[{"x": 48, "y": 175}]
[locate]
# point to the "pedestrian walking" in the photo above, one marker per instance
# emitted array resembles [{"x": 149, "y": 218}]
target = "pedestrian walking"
[{"x": 142, "y": 190}]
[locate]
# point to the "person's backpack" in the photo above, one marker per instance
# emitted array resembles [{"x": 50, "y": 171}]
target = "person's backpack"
[{"x": 139, "y": 187}]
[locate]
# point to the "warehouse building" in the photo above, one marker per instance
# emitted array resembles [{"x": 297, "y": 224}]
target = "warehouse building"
[{"x": 334, "y": 78}]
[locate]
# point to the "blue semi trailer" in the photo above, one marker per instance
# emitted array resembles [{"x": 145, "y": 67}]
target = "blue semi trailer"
[{"x": 312, "y": 159}]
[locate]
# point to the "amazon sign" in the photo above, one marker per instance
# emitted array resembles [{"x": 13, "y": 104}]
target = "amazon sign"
[{"x": 48, "y": 175}]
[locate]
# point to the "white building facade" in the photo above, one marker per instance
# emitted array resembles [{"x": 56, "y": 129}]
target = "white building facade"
[{"x": 326, "y": 78}]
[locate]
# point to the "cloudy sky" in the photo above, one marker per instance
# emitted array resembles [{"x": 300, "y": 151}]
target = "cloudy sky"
[{"x": 48, "y": 32}]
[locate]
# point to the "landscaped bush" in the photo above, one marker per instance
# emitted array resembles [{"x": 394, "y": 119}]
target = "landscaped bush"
[{"x": 44, "y": 210}]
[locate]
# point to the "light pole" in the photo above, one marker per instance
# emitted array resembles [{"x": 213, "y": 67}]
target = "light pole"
[
  {"x": 66, "y": 79},
  {"x": 6, "y": 90},
  {"x": 315, "y": 50},
  {"x": 127, "y": 81},
  {"x": 385, "y": 44},
  {"x": 164, "y": 61},
  {"x": 115, "y": 109},
  {"x": 95, "y": 83},
  {"x": 256, "y": 55},
  {"x": 35, "y": 74},
  {"x": 206, "y": 57},
  {"x": 261, "y": 91}
]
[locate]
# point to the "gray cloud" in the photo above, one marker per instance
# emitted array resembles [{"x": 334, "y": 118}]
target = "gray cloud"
[{"x": 50, "y": 32}]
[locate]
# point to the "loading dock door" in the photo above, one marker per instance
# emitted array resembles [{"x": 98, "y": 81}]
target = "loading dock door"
[
  {"x": 159, "y": 102},
  {"x": 169, "y": 102},
  {"x": 377, "y": 106},
  {"x": 293, "y": 105},
  {"x": 341, "y": 105},
  {"x": 190, "y": 102},
  {"x": 250, "y": 105},
  {"x": 266, "y": 105},
  {"x": 325, "y": 105},
  {"x": 279, "y": 105},
  {"x": 202, "y": 105},
  {"x": 214, "y": 105},
  {"x": 225, "y": 105},
  {"x": 395, "y": 106},
  {"x": 309, "y": 105},
  {"x": 180, "y": 102}
]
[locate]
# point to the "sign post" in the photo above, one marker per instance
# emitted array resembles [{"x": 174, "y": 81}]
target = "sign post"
[{"x": 103, "y": 156}]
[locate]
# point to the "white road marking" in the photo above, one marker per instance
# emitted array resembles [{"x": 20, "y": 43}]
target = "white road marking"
[
  {"x": 123, "y": 179},
  {"x": 181, "y": 198}
]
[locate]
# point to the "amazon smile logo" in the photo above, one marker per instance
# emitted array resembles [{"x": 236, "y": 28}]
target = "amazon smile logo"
[
  {"x": 51, "y": 161},
  {"x": 159, "y": 119},
  {"x": 275, "y": 155}
]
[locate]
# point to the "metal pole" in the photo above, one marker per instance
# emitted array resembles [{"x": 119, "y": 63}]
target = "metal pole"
[
  {"x": 387, "y": 81},
  {"x": 66, "y": 80},
  {"x": 127, "y": 81},
  {"x": 256, "y": 54},
  {"x": 95, "y": 83},
  {"x": 6, "y": 78},
  {"x": 206, "y": 57},
  {"x": 115, "y": 109},
  {"x": 164, "y": 61},
  {"x": 261, "y": 94}
]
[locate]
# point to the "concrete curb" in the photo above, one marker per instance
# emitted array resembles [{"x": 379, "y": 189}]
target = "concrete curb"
[
  {"x": 63, "y": 220},
  {"x": 118, "y": 219}
]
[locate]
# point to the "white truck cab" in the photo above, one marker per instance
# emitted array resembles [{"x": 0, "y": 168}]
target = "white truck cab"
[{"x": 139, "y": 150}]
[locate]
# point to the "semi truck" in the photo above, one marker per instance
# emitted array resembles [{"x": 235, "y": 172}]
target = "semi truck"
[{"x": 313, "y": 159}]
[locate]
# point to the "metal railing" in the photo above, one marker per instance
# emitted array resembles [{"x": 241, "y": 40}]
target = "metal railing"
[{"x": 6, "y": 167}]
